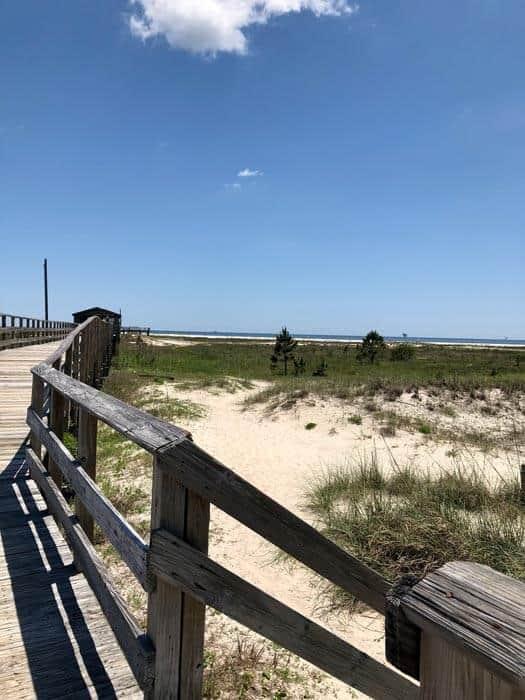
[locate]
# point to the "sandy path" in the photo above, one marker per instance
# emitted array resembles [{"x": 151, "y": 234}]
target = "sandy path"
[
  {"x": 278, "y": 455},
  {"x": 275, "y": 452}
]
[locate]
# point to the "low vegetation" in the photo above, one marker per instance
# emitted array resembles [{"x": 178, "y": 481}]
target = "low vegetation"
[
  {"x": 397, "y": 522},
  {"x": 455, "y": 368},
  {"x": 251, "y": 668},
  {"x": 407, "y": 522}
]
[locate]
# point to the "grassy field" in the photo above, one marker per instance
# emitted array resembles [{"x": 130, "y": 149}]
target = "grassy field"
[{"x": 453, "y": 367}]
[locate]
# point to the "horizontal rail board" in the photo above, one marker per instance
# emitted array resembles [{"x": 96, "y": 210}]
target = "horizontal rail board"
[
  {"x": 9, "y": 320},
  {"x": 119, "y": 532},
  {"x": 68, "y": 341},
  {"x": 24, "y": 332},
  {"x": 209, "y": 478},
  {"x": 9, "y": 344},
  {"x": 135, "y": 644},
  {"x": 142, "y": 428},
  {"x": 179, "y": 563}
]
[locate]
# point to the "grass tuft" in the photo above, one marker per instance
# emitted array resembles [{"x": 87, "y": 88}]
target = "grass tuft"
[{"x": 407, "y": 522}]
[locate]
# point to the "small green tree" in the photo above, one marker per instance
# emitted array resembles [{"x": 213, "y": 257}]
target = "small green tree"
[
  {"x": 283, "y": 350},
  {"x": 372, "y": 346}
]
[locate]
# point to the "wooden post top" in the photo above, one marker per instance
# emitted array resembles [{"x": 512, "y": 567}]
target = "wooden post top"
[{"x": 477, "y": 610}]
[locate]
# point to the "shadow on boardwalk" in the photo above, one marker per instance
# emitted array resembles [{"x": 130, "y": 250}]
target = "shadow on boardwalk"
[{"x": 49, "y": 615}]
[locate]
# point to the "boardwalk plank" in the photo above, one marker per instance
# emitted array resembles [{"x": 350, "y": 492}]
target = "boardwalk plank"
[{"x": 55, "y": 642}]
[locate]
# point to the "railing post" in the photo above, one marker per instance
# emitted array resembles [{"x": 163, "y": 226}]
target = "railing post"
[
  {"x": 460, "y": 632},
  {"x": 68, "y": 364},
  {"x": 75, "y": 358},
  {"x": 37, "y": 404},
  {"x": 87, "y": 454},
  {"x": 56, "y": 423},
  {"x": 84, "y": 356},
  {"x": 97, "y": 359},
  {"x": 175, "y": 619}
]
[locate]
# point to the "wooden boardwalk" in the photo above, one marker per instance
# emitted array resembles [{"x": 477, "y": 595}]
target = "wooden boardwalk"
[{"x": 54, "y": 639}]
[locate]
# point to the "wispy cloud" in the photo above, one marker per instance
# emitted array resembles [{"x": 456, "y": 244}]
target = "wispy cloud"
[
  {"x": 234, "y": 186},
  {"x": 250, "y": 173},
  {"x": 211, "y": 26}
]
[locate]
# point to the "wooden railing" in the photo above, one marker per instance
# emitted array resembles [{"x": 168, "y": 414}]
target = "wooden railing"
[
  {"x": 16, "y": 331},
  {"x": 181, "y": 579},
  {"x": 135, "y": 330}
]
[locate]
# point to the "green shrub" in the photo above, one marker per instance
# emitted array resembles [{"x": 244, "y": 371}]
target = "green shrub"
[
  {"x": 310, "y": 426},
  {"x": 371, "y": 348},
  {"x": 403, "y": 352}
]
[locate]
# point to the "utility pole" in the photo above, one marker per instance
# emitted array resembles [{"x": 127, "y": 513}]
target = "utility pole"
[{"x": 46, "y": 305}]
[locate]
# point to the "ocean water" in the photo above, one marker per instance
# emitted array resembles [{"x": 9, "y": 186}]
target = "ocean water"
[{"x": 345, "y": 338}]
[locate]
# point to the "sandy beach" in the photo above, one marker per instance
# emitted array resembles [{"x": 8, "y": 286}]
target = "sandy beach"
[
  {"x": 160, "y": 339},
  {"x": 283, "y": 443},
  {"x": 273, "y": 450}
]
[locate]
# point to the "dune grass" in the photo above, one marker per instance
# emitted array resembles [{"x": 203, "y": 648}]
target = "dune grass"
[
  {"x": 407, "y": 522},
  {"x": 452, "y": 367}
]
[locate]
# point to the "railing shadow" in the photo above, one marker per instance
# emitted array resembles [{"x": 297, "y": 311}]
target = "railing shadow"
[{"x": 61, "y": 653}]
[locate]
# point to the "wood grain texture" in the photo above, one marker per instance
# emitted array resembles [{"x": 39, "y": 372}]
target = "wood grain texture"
[
  {"x": 67, "y": 342},
  {"x": 196, "y": 534},
  {"x": 142, "y": 428},
  {"x": 55, "y": 642},
  {"x": 478, "y": 611},
  {"x": 176, "y": 561},
  {"x": 115, "y": 527},
  {"x": 87, "y": 455},
  {"x": 447, "y": 673},
  {"x": 221, "y": 486},
  {"x": 15, "y": 397},
  {"x": 131, "y": 638},
  {"x": 56, "y": 422},
  {"x": 165, "y": 602}
]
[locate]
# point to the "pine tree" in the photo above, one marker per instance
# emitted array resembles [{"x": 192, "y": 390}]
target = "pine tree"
[
  {"x": 373, "y": 344},
  {"x": 283, "y": 350}
]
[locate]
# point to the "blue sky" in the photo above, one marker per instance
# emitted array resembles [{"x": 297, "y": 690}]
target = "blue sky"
[{"x": 389, "y": 141}]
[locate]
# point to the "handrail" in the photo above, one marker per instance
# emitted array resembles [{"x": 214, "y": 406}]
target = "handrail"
[
  {"x": 68, "y": 341},
  {"x": 29, "y": 331},
  {"x": 119, "y": 532},
  {"x": 140, "y": 427},
  {"x": 185, "y": 480},
  {"x": 30, "y": 322},
  {"x": 180, "y": 578}
]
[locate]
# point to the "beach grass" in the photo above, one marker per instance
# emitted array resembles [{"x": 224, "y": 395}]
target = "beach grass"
[
  {"x": 408, "y": 522},
  {"x": 396, "y": 522},
  {"x": 456, "y": 368}
]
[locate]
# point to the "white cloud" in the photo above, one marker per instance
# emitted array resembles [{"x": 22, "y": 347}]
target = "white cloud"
[
  {"x": 210, "y": 26},
  {"x": 235, "y": 186},
  {"x": 250, "y": 173}
]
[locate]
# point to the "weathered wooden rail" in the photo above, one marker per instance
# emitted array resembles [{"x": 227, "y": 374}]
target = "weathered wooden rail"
[
  {"x": 17, "y": 331},
  {"x": 466, "y": 621}
]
